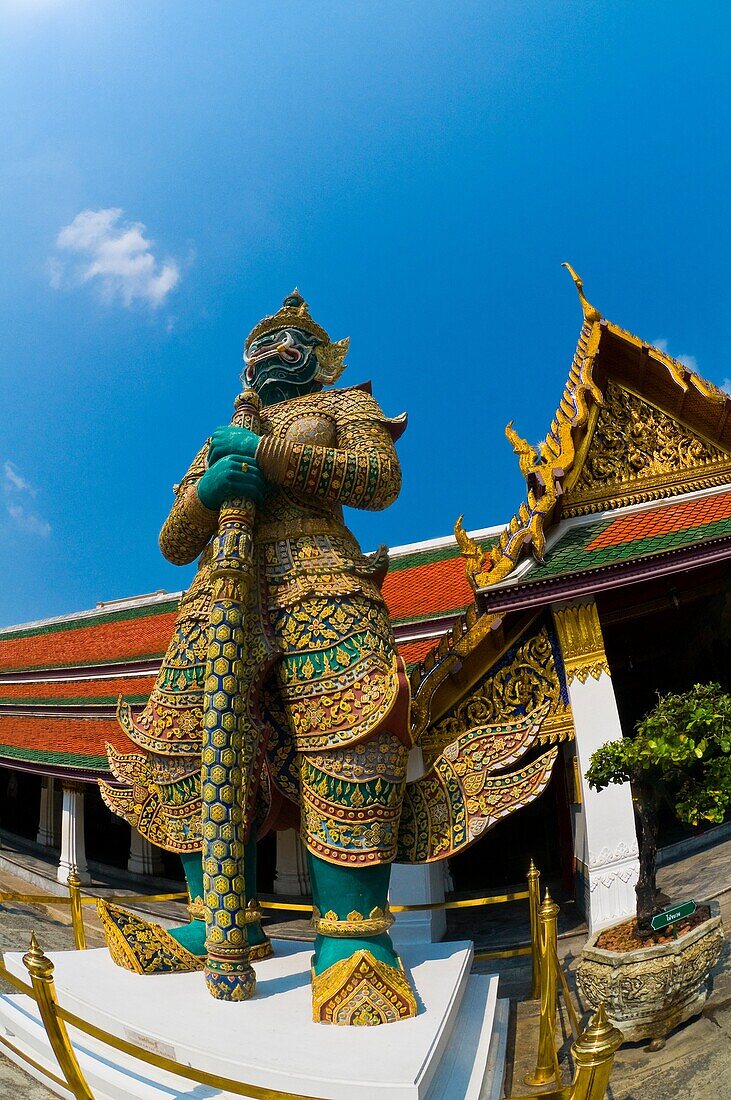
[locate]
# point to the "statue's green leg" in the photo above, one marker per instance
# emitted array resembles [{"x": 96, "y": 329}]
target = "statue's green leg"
[
  {"x": 256, "y": 937},
  {"x": 192, "y": 936},
  {"x": 345, "y": 890},
  {"x": 357, "y": 976}
]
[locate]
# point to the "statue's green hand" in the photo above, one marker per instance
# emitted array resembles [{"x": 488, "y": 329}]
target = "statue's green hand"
[
  {"x": 232, "y": 441},
  {"x": 226, "y": 479}
]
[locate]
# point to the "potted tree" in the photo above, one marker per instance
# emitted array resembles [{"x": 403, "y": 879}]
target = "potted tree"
[{"x": 651, "y": 980}]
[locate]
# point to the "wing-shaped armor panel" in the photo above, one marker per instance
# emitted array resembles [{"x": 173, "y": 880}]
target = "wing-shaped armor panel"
[{"x": 462, "y": 795}]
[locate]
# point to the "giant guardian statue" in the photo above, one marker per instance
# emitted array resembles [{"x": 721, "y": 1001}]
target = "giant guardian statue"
[{"x": 282, "y": 700}]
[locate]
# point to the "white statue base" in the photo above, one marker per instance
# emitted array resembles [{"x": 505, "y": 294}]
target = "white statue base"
[{"x": 453, "y": 1050}]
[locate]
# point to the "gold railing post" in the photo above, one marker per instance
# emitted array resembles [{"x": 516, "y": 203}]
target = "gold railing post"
[
  {"x": 77, "y": 909},
  {"x": 534, "y": 900},
  {"x": 547, "y": 1062},
  {"x": 40, "y": 969},
  {"x": 593, "y": 1053}
]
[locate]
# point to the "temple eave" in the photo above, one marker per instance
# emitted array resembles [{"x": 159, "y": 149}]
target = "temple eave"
[{"x": 520, "y": 597}]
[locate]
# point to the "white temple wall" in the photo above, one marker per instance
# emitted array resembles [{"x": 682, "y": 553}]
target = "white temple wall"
[{"x": 605, "y": 839}]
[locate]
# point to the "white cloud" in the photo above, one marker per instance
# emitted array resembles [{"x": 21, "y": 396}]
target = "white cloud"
[
  {"x": 13, "y": 480},
  {"x": 16, "y": 491},
  {"x": 726, "y": 385},
  {"x": 28, "y": 521},
  {"x": 99, "y": 246},
  {"x": 688, "y": 361}
]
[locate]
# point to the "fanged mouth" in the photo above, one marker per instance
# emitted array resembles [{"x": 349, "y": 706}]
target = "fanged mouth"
[{"x": 285, "y": 349}]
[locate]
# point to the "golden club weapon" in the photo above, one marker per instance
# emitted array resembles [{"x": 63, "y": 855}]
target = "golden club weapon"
[{"x": 230, "y": 743}]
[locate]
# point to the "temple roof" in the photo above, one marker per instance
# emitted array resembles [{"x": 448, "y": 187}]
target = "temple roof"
[
  {"x": 633, "y": 425},
  {"x": 617, "y": 547}
]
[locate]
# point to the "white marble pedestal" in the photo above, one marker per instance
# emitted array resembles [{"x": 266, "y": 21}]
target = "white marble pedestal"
[{"x": 453, "y": 1050}]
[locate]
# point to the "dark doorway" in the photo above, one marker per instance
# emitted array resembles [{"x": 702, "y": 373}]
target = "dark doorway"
[{"x": 20, "y": 802}]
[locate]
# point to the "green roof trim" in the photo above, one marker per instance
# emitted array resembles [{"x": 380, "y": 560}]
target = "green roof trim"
[
  {"x": 430, "y": 557},
  {"x": 50, "y": 756},
  {"x": 414, "y": 620},
  {"x": 101, "y": 618},
  {"x": 569, "y": 554}
]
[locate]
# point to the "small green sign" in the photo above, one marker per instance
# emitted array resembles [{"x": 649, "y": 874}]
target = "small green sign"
[{"x": 670, "y": 916}]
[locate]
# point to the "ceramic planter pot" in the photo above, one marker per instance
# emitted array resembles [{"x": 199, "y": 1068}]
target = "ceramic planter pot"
[{"x": 648, "y": 992}]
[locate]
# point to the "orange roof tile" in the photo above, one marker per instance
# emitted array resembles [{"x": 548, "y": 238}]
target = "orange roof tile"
[
  {"x": 78, "y": 689},
  {"x": 664, "y": 520},
  {"x": 413, "y": 652},
  {"x": 435, "y": 588},
  {"x": 109, "y": 640},
  {"x": 78, "y": 739}
]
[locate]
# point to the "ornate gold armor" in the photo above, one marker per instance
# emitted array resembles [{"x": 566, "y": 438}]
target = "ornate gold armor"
[{"x": 337, "y": 681}]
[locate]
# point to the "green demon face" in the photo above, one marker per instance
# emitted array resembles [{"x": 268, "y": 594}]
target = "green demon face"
[{"x": 282, "y": 364}]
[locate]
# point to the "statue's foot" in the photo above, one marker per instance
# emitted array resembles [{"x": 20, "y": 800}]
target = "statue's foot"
[
  {"x": 362, "y": 990},
  {"x": 145, "y": 947}
]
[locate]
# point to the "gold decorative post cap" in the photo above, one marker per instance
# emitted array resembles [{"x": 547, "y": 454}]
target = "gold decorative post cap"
[
  {"x": 549, "y": 908},
  {"x": 599, "y": 1042},
  {"x": 35, "y": 962}
]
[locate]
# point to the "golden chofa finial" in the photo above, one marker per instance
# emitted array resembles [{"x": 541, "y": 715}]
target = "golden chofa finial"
[{"x": 590, "y": 313}]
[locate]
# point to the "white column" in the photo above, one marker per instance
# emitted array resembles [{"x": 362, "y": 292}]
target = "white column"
[
  {"x": 144, "y": 858},
  {"x": 417, "y": 884},
  {"x": 292, "y": 877},
  {"x": 47, "y": 821},
  {"x": 605, "y": 840},
  {"x": 73, "y": 848}
]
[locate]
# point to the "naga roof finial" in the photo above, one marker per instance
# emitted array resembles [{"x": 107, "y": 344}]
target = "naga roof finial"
[{"x": 590, "y": 313}]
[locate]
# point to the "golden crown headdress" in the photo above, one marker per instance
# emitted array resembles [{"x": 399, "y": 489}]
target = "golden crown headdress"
[{"x": 295, "y": 314}]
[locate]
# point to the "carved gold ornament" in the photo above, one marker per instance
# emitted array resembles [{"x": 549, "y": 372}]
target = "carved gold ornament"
[
  {"x": 361, "y": 991},
  {"x": 331, "y": 360},
  {"x": 525, "y": 684},
  {"x": 466, "y": 792},
  {"x": 355, "y": 924},
  {"x": 582, "y": 644},
  {"x": 197, "y": 908},
  {"x": 639, "y": 453}
]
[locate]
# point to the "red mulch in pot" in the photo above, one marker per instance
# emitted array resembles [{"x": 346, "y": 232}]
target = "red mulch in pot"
[{"x": 623, "y": 937}]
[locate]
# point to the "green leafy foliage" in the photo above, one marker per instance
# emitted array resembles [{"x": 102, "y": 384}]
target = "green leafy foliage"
[
  {"x": 681, "y": 754},
  {"x": 681, "y": 750}
]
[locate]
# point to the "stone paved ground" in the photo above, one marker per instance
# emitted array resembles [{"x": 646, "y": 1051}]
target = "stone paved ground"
[{"x": 694, "y": 1065}]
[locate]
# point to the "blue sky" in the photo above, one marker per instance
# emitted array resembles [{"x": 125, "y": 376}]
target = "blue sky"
[{"x": 170, "y": 171}]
